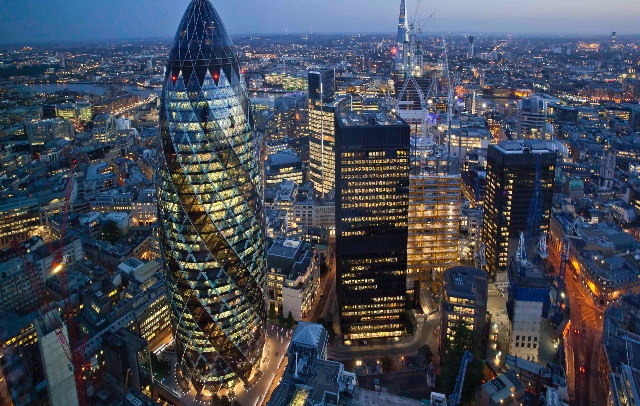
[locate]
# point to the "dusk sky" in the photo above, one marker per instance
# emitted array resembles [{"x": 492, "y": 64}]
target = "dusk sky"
[{"x": 49, "y": 20}]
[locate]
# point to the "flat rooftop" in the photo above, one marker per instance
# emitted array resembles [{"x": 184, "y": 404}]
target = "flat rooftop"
[{"x": 369, "y": 119}]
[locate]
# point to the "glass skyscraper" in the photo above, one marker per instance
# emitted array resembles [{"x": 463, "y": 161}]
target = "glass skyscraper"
[
  {"x": 511, "y": 178},
  {"x": 322, "y": 108},
  {"x": 211, "y": 214},
  {"x": 372, "y": 204}
]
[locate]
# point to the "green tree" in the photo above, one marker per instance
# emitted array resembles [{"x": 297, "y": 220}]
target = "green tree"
[
  {"x": 272, "y": 311},
  {"x": 110, "y": 232},
  {"x": 280, "y": 319},
  {"x": 290, "y": 321},
  {"x": 461, "y": 341}
]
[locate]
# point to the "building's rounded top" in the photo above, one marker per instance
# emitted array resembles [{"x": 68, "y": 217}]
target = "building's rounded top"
[{"x": 202, "y": 41}]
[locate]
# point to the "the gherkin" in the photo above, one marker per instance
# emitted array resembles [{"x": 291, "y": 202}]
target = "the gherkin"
[{"x": 211, "y": 214}]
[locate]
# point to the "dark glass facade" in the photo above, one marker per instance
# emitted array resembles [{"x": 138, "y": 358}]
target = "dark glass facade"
[
  {"x": 372, "y": 204},
  {"x": 322, "y": 86},
  {"x": 511, "y": 177},
  {"x": 210, "y": 208}
]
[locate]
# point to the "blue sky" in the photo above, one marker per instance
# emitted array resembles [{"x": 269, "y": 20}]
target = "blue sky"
[{"x": 49, "y": 20}]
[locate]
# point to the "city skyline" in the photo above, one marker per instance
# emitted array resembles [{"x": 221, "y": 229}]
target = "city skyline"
[
  {"x": 192, "y": 215},
  {"x": 41, "y": 21}
]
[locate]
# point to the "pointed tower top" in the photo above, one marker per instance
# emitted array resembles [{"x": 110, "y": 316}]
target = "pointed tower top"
[{"x": 202, "y": 36}]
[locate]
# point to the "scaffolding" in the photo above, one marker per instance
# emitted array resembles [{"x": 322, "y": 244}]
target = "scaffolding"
[{"x": 434, "y": 228}]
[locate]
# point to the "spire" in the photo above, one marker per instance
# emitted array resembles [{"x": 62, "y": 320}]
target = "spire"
[{"x": 402, "y": 34}]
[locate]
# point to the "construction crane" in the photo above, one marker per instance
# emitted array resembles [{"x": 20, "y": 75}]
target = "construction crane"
[
  {"x": 415, "y": 14},
  {"x": 74, "y": 346},
  {"x": 451, "y": 85},
  {"x": 454, "y": 399},
  {"x": 425, "y": 21}
]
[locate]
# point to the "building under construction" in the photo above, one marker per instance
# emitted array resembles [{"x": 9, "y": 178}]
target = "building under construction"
[
  {"x": 434, "y": 228},
  {"x": 412, "y": 87}
]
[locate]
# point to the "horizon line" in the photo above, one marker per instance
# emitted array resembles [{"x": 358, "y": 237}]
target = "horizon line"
[{"x": 573, "y": 35}]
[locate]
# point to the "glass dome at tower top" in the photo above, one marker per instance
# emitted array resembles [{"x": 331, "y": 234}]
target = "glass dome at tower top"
[{"x": 202, "y": 43}]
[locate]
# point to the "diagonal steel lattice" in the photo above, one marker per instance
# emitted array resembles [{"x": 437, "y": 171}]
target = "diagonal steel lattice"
[{"x": 211, "y": 214}]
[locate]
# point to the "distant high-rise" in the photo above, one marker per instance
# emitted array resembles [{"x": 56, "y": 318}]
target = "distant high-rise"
[
  {"x": 210, "y": 212},
  {"x": 372, "y": 202},
  {"x": 322, "y": 109},
  {"x": 401, "y": 39},
  {"x": 409, "y": 74},
  {"x": 511, "y": 178},
  {"x": 533, "y": 116},
  {"x": 472, "y": 50}
]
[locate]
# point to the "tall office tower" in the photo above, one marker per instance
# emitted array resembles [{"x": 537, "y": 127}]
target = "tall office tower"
[
  {"x": 322, "y": 109},
  {"x": 372, "y": 203},
  {"x": 322, "y": 86},
  {"x": 511, "y": 178},
  {"x": 434, "y": 228},
  {"x": 210, "y": 212},
  {"x": 527, "y": 305},
  {"x": 532, "y": 116},
  {"x": 403, "y": 37},
  {"x": 464, "y": 301},
  {"x": 472, "y": 40},
  {"x": 613, "y": 40}
]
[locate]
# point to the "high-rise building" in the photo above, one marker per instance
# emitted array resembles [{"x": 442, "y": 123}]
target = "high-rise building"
[
  {"x": 434, "y": 228},
  {"x": 527, "y": 305},
  {"x": 210, "y": 211},
  {"x": 472, "y": 51},
  {"x": 464, "y": 301},
  {"x": 401, "y": 39},
  {"x": 322, "y": 109},
  {"x": 511, "y": 178},
  {"x": 372, "y": 203},
  {"x": 533, "y": 117},
  {"x": 322, "y": 86},
  {"x": 408, "y": 74}
]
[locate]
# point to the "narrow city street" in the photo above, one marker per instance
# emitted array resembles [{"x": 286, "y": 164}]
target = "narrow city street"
[
  {"x": 584, "y": 339},
  {"x": 326, "y": 291}
]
